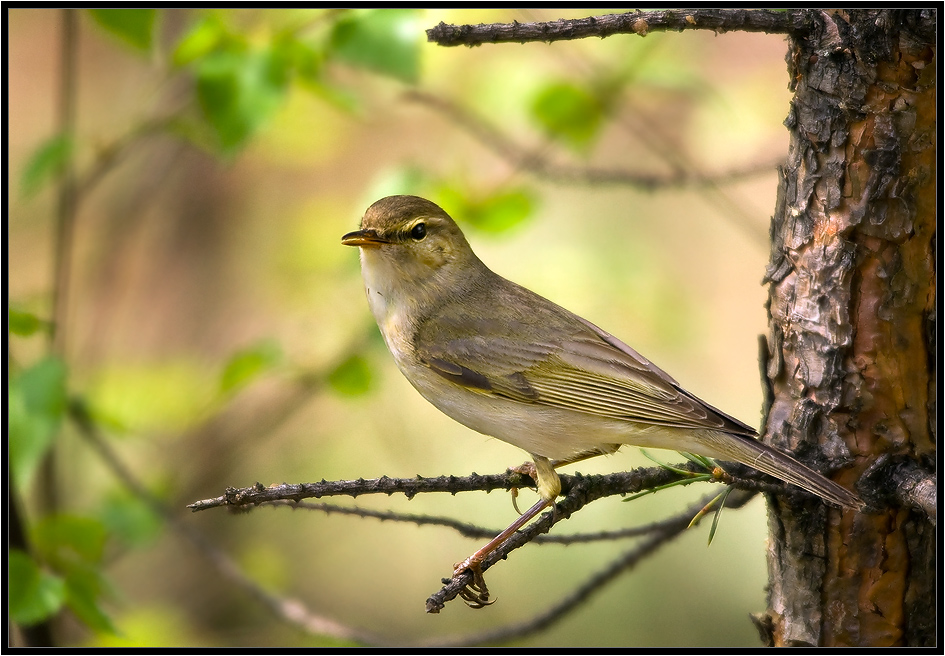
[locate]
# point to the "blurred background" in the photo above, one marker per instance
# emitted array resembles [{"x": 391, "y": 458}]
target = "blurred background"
[{"x": 215, "y": 332}]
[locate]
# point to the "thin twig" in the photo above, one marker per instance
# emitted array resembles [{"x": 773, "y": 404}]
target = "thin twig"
[
  {"x": 537, "y": 163},
  {"x": 291, "y": 611},
  {"x": 468, "y": 530},
  {"x": 65, "y": 204},
  {"x": 670, "y": 528},
  {"x": 111, "y": 155},
  {"x": 640, "y": 23},
  {"x": 578, "y": 491}
]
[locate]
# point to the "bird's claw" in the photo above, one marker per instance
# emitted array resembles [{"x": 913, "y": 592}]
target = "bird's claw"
[
  {"x": 476, "y": 593},
  {"x": 525, "y": 469}
]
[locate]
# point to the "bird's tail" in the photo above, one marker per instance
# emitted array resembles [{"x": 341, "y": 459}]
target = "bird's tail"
[{"x": 755, "y": 454}]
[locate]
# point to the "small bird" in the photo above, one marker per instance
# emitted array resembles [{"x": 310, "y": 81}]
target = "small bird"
[{"x": 509, "y": 363}]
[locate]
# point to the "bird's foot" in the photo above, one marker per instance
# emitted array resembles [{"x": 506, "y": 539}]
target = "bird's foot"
[
  {"x": 525, "y": 469},
  {"x": 476, "y": 593}
]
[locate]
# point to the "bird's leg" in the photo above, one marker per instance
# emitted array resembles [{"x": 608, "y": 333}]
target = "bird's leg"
[
  {"x": 476, "y": 595},
  {"x": 530, "y": 469}
]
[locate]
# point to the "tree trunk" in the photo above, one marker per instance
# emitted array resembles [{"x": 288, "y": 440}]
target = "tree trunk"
[{"x": 852, "y": 328}]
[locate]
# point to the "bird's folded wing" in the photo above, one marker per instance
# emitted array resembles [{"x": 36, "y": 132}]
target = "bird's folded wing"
[{"x": 589, "y": 371}]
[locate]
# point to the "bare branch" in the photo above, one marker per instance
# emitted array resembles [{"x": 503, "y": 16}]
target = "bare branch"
[
  {"x": 579, "y": 491},
  {"x": 603, "y": 485},
  {"x": 468, "y": 530},
  {"x": 537, "y": 163},
  {"x": 794, "y": 22},
  {"x": 291, "y": 611},
  {"x": 670, "y": 528},
  {"x": 109, "y": 156},
  {"x": 905, "y": 483}
]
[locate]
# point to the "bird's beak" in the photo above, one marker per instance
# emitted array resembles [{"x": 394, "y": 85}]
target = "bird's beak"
[{"x": 365, "y": 238}]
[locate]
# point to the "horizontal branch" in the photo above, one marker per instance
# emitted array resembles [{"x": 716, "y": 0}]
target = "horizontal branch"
[
  {"x": 902, "y": 482},
  {"x": 468, "y": 530},
  {"x": 604, "y": 484},
  {"x": 794, "y": 22}
]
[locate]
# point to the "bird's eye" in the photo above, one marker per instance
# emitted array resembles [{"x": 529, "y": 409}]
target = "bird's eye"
[{"x": 419, "y": 231}]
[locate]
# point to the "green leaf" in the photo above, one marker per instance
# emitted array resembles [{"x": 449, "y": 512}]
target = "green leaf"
[
  {"x": 307, "y": 59},
  {"x": 134, "y": 26},
  {"x": 702, "y": 461},
  {"x": 501, "y": 212},
  {"x": 568, "y": 113},
  {"x": 130, "y": 520},
  {"x": 352, "y": 377},
  {"x": 37, "y": 400},
  {"x": 166, "y": 395},
  {"x": 247, "y": 364},
  {"x": 66, "y": 540},
  {"x": 34, "y": 594},
  {"x": 718, "y": 513},
  {"x": 45, "y": 164},
  {"x": 386, "y": 41},
  {"x": 25, "y": 324},
  {"x": 239, "y": 90},
  {"x": 84, "y": 587},
  {"x": 498, "y": 212},
  {"x": 74, "y": 546},
  {"x": 204, "y": 37}
]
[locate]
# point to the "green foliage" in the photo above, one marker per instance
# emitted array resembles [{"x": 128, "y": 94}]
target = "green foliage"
[
  {"x": 569, "y": 113},
  {"x": 247, "y": 364},
  {"x": 85, "y": 585},
  {"x": 386, "y": 41},
  {"x": 242, "y": 81},
  {"x": 134, "y": 26},
  {"x": 73, "y": 546},
  {"x": 720, "y": 498},
  {"x": 239, "y": 90},
  {"x": 37, "y": 401},
  {"x": 692, "y": 477},
  {"x": 66, "y": 539},
  {"x": 45, "y": 164},
  {"x": 203, "y": 38},
  {"x": 152, "y": 626},
  {"x": 165, "y": 395},
  {"x": 34, "y": 594},
  {"x": 130, "y": 520},
  {"x": 25, "y": 324},
  {"x": 496, "y": 212},
  {"x": 352, "y": 377}
]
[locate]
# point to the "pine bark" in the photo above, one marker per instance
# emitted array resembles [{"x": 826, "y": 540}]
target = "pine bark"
[{"x": 852, "y": 328}]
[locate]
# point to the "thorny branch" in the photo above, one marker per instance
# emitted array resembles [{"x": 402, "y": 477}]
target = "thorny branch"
[
  {"x": 468, "y": 530},
  {"x": 579, "y": 490},
  {"x": 793, "y": 22},
  {"x": 296, "y": 614},
  {"x": 601, "y": 484},
  {"x": 668, "y": 529}
]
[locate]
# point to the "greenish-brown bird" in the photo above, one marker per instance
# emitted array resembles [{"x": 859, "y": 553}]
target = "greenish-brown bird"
[{"x": 509, "y": 363}]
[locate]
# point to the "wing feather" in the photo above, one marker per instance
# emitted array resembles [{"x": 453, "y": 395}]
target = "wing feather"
[{"x": 586, "y": 370}]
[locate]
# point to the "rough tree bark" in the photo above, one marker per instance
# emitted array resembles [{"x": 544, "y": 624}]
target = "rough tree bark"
[{"x": 852, "y": 329}]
